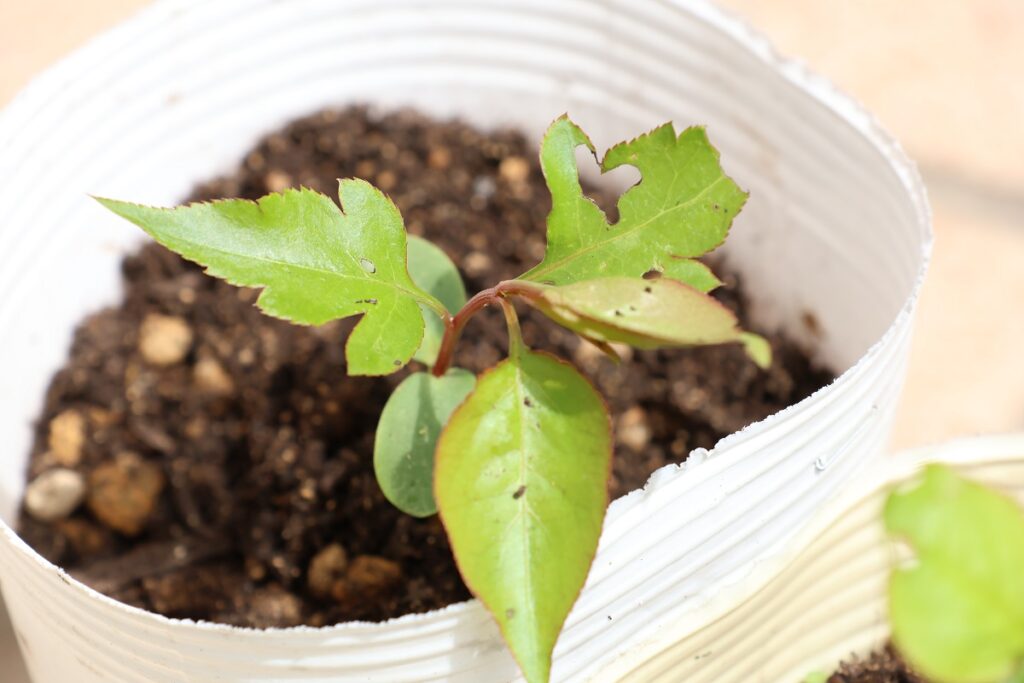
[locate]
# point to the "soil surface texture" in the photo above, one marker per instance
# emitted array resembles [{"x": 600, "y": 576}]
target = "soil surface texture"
[
  {"x": 199, "y": 459},
  {"x": 881, "y": 666}
]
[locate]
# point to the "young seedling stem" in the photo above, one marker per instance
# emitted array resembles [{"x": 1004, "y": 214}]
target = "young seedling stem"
[{"x": 455, "y": 324}]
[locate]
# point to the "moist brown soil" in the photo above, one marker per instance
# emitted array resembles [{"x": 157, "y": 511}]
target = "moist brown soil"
[
  {"x": 881, "y": 666},
  {"x": 226, "y": 455}
]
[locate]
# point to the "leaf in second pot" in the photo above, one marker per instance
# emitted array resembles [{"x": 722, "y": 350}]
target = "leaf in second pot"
[
  {"x": 521, "y": 485},
  {"x": 432, "y": 270},
  {"x": 957, "y": 614},
  {"x": 647, "y": 314},
  {"x": 403, "y": 449}
]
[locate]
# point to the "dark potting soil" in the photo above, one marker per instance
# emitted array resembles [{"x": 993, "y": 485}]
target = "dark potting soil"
[
  {"x": 227, "y": 458},
  {"x": 882, "y": 666}
]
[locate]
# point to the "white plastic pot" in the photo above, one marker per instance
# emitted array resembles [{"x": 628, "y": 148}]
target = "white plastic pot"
[
  {"x": 830, "y": 601},
  {"x": 837, "y": 227}
]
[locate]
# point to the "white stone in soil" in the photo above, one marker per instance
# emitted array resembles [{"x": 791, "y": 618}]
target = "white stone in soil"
[{"x": 54, "y": 494}]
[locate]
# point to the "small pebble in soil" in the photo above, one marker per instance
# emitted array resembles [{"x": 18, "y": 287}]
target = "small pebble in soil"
[
  {"x": 54, "y": 494},
  {"x": 326, "y": 567},
  {"x": 67, "y": 434},
  {"x": 164, "y": 339},
  {"x": 514, "y": 169},
  {"x": 632, "y": 429},
  {"x": 274, "y": 607},
  {"x": 367, "y": 577},
  {"x": 123, "y": 492},
  {"x": 211, "y": 378}
]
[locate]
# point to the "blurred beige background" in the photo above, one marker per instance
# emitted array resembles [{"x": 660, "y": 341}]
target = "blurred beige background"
[{"x": 945, "y": 76}]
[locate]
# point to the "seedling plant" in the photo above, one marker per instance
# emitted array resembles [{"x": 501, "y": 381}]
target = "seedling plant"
[{"x": 515, "y": 461}]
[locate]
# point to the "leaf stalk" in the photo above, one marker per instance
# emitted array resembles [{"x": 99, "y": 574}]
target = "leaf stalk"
[{"x": 484, "y": 298}]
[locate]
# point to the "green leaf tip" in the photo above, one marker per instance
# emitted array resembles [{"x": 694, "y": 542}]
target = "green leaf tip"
[
  {"x": 957, "y": 612},
  {"x": 314, "y": 262},
  {"x": 681, "y": 209},
  {"x": 521, "y": 485}
]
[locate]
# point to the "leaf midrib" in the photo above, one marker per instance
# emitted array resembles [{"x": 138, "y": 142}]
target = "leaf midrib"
[
  {"x": 418, "y": 296},
  {"x": 523, "y": 505}
]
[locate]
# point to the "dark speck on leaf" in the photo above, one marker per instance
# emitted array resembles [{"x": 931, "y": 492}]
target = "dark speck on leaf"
[
  {"x": 527, "y": 402},
  {"x": 397, "y": 363},
  {"x": 618, "y": 312},
  {"x": 648, "y": 290},
  {"x": 366, "y": 301},
  {"x": 519, "y": 492},
  {"x": 509, "y": 613},
  {"x": 652, "y": 274}
]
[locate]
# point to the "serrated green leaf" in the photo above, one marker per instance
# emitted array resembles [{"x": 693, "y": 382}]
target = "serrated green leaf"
[
  {"x": 645, "y": 314},
  {"x": 957, "y": 614},
  {"x": 314, "y": 262},
  {"x": 521, "y": 485},
  {"x": 681, "y": 209},
  {"x": 412, "y": 419},
  {"x": 435, "y": 273}
]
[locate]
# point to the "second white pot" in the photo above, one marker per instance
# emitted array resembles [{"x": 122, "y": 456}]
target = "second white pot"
[
  {"x": 830, "y": 600},
  {"x": 837, "y": 229}
]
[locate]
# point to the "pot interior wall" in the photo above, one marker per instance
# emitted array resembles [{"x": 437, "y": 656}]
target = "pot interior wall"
[{"x": 819, "y": 236}]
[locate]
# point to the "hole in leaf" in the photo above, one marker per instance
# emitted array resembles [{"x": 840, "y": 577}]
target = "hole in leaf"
[
  {"x": 612, "y": 184},
  {"x": 368, "y": 265},
  {"x": 519, "y": 492}
]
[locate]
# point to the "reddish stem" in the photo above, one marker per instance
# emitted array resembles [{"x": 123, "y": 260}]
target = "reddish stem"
[{"x": 483, "y": 299}]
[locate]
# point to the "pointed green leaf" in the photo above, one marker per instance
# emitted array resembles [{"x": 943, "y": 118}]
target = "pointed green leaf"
[
  {"x": 681, "y": 209},
  {"x": 314, "y": 262},
  {"x": 693, "y": 273},
  {"x": 521, "y": 485},
  {"x": 758, "y": 349},
  {"x": 403, "y": 450},
  {"x": 435, "y": 273},
  {"x": 957, "y": 614},
  {"x": 645, "y": 314}
]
